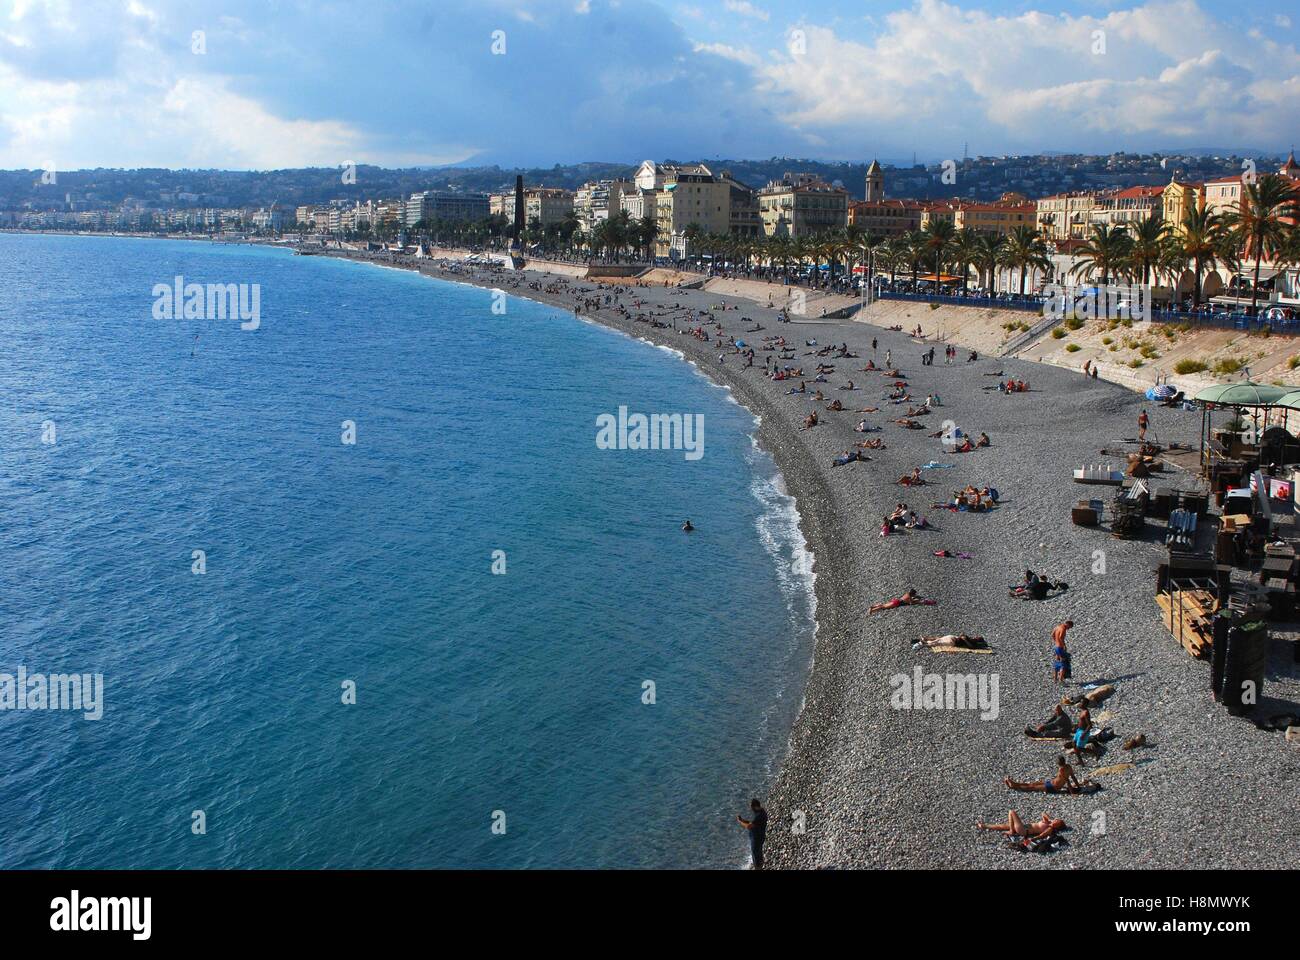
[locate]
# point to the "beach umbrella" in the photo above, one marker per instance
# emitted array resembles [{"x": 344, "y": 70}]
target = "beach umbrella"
[{"x": 1163, "y": 391}]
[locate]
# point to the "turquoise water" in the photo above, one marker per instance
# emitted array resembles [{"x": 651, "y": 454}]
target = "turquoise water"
[{"x": 477, "y": 695}]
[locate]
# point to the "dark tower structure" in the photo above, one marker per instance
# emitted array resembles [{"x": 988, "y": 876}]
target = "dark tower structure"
[{"x": 518, "y": 231}]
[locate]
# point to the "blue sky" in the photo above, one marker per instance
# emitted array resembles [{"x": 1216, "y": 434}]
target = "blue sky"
[{"x": 274, "y": 83}]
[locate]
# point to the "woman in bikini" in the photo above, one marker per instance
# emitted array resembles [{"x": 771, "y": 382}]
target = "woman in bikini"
[{"x": 1015, "y": 827}]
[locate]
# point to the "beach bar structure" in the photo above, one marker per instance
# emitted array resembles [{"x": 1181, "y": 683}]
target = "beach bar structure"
[{"x": 1239, "y": 397}]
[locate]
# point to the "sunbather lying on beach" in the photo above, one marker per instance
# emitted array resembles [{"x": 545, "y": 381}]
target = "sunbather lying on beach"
[
  {"x": 864, "y": 427},
  {"x": 876, "y": 444},
  {"x": 850, "y": 456},
  {"x": 1015, "y": 827},
  {"x": 908, "y": 599},
  {"x": 962, "y": 640},
  {"x": 913, "y": 479},
  {"x": 1063, "y": 781},
  {"x": 909, "y": 424},
  {"x": 1090, "y": 697},
  {"x": 948, "y": 554}
]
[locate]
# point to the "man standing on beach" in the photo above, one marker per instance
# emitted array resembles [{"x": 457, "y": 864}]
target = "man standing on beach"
[
  {"x": 1060, "y": 655},
  {"x": 757, "y": 832},
  {"x": 1143, "y": 422}
]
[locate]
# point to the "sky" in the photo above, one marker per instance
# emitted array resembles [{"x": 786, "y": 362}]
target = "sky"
[{"x": 264, "y": 84}]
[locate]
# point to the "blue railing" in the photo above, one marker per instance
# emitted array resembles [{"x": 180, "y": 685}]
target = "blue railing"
[
  {"x": 1226, "y": 321},
  {"x": 1035, "y": 306}
]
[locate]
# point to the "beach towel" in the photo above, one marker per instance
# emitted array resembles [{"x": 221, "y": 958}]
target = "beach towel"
[
  {"x": 1112, "y": 769},
  {"x": 953, "y": 648}
]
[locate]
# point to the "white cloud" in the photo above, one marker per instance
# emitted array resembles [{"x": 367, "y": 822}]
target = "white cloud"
[
  {"x": 739, "y": 54},
  {"x": 746, "y": 9},
  {"x": 937, "y": 71}
]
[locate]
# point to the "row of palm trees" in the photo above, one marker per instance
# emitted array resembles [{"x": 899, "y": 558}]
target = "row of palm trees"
[
  {"x": 1262, "y": 229},
  {"x": 1144, "y": 251}
]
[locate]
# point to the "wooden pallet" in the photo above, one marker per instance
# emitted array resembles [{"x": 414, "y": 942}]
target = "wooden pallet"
[{"x": 1187, "y": 615}]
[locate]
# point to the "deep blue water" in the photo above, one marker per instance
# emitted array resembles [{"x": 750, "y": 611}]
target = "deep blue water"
[{"x": 372, "y": 563}]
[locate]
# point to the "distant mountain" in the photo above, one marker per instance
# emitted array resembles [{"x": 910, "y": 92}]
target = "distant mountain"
[{"x": 979, "y": 177}]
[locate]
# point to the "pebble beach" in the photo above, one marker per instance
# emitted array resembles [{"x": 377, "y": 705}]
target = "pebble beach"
[{"x": 867, "y": 784}]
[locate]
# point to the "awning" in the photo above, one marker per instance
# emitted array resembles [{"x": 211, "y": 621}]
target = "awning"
[{"x": 1244, "y": 393}]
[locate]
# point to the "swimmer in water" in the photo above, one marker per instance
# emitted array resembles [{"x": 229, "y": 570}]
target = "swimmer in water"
[{"x": 688, "y": 526}]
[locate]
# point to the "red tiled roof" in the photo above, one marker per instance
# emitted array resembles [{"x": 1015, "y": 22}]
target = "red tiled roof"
[{"x": 1140, "y": 191}]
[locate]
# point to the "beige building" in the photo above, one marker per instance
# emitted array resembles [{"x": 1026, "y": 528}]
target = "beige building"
[
  {"x": 1000, "y": 217},
  {"x": 547, "y": 204},
  {"x": 801, "y": 205},
  {"x": 1064, "y": 216},
  {"x": 691, "y": 197},
  {"x": 1177, "y": 199},
  {"x": 1122, "y": 208},
  {"x": 886, "y": 218}
]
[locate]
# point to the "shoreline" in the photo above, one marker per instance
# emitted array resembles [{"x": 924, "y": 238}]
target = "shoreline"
[{"x": 879, "y": 787}]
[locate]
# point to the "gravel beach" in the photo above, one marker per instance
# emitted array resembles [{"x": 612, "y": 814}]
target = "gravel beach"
[{"x": 877, "y": 786}]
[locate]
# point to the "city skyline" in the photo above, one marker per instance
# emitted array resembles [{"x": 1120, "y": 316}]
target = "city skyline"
[{"x": 234, "y": 85}]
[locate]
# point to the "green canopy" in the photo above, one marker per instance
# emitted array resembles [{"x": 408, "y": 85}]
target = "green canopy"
[
  {"x": 1291, "y": 400},
  {"x": 1246, "y": 393}
]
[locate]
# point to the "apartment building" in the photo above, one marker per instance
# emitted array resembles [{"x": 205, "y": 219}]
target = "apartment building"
[
  {"x": 691, "y": 196},
  {"x": 801, "y": 205}
]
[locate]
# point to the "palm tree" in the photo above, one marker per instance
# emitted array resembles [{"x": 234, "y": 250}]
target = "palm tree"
[
  {"x": 1148, "y": 244},
  {"x": 1026, "y": 250},
  {"x": 889, "y": 255},
  {"x": 987, "y": 257},
  {"x": 1203, "y": 238},
  {"x": 938, "y": 236},
  {"x": 915, "y": 251},
  {"x": 645, "y": 231},
  {"x": 868, "y": 246},
  {"x": 965, "y": 247},
  {"x": 1259, "y": 226},
  {"x": 1107, "y": 250}
]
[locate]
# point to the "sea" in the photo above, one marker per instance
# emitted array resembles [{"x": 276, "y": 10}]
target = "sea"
[{"x": 361, "y": 587}]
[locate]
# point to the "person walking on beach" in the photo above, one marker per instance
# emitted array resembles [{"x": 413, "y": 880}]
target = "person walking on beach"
[
  {"x": 873, "y": 344},
  {"x": 757, "y": 832},
  {"x": 1143, "y": 422},
  {"x": 1061, "y": 655}
]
